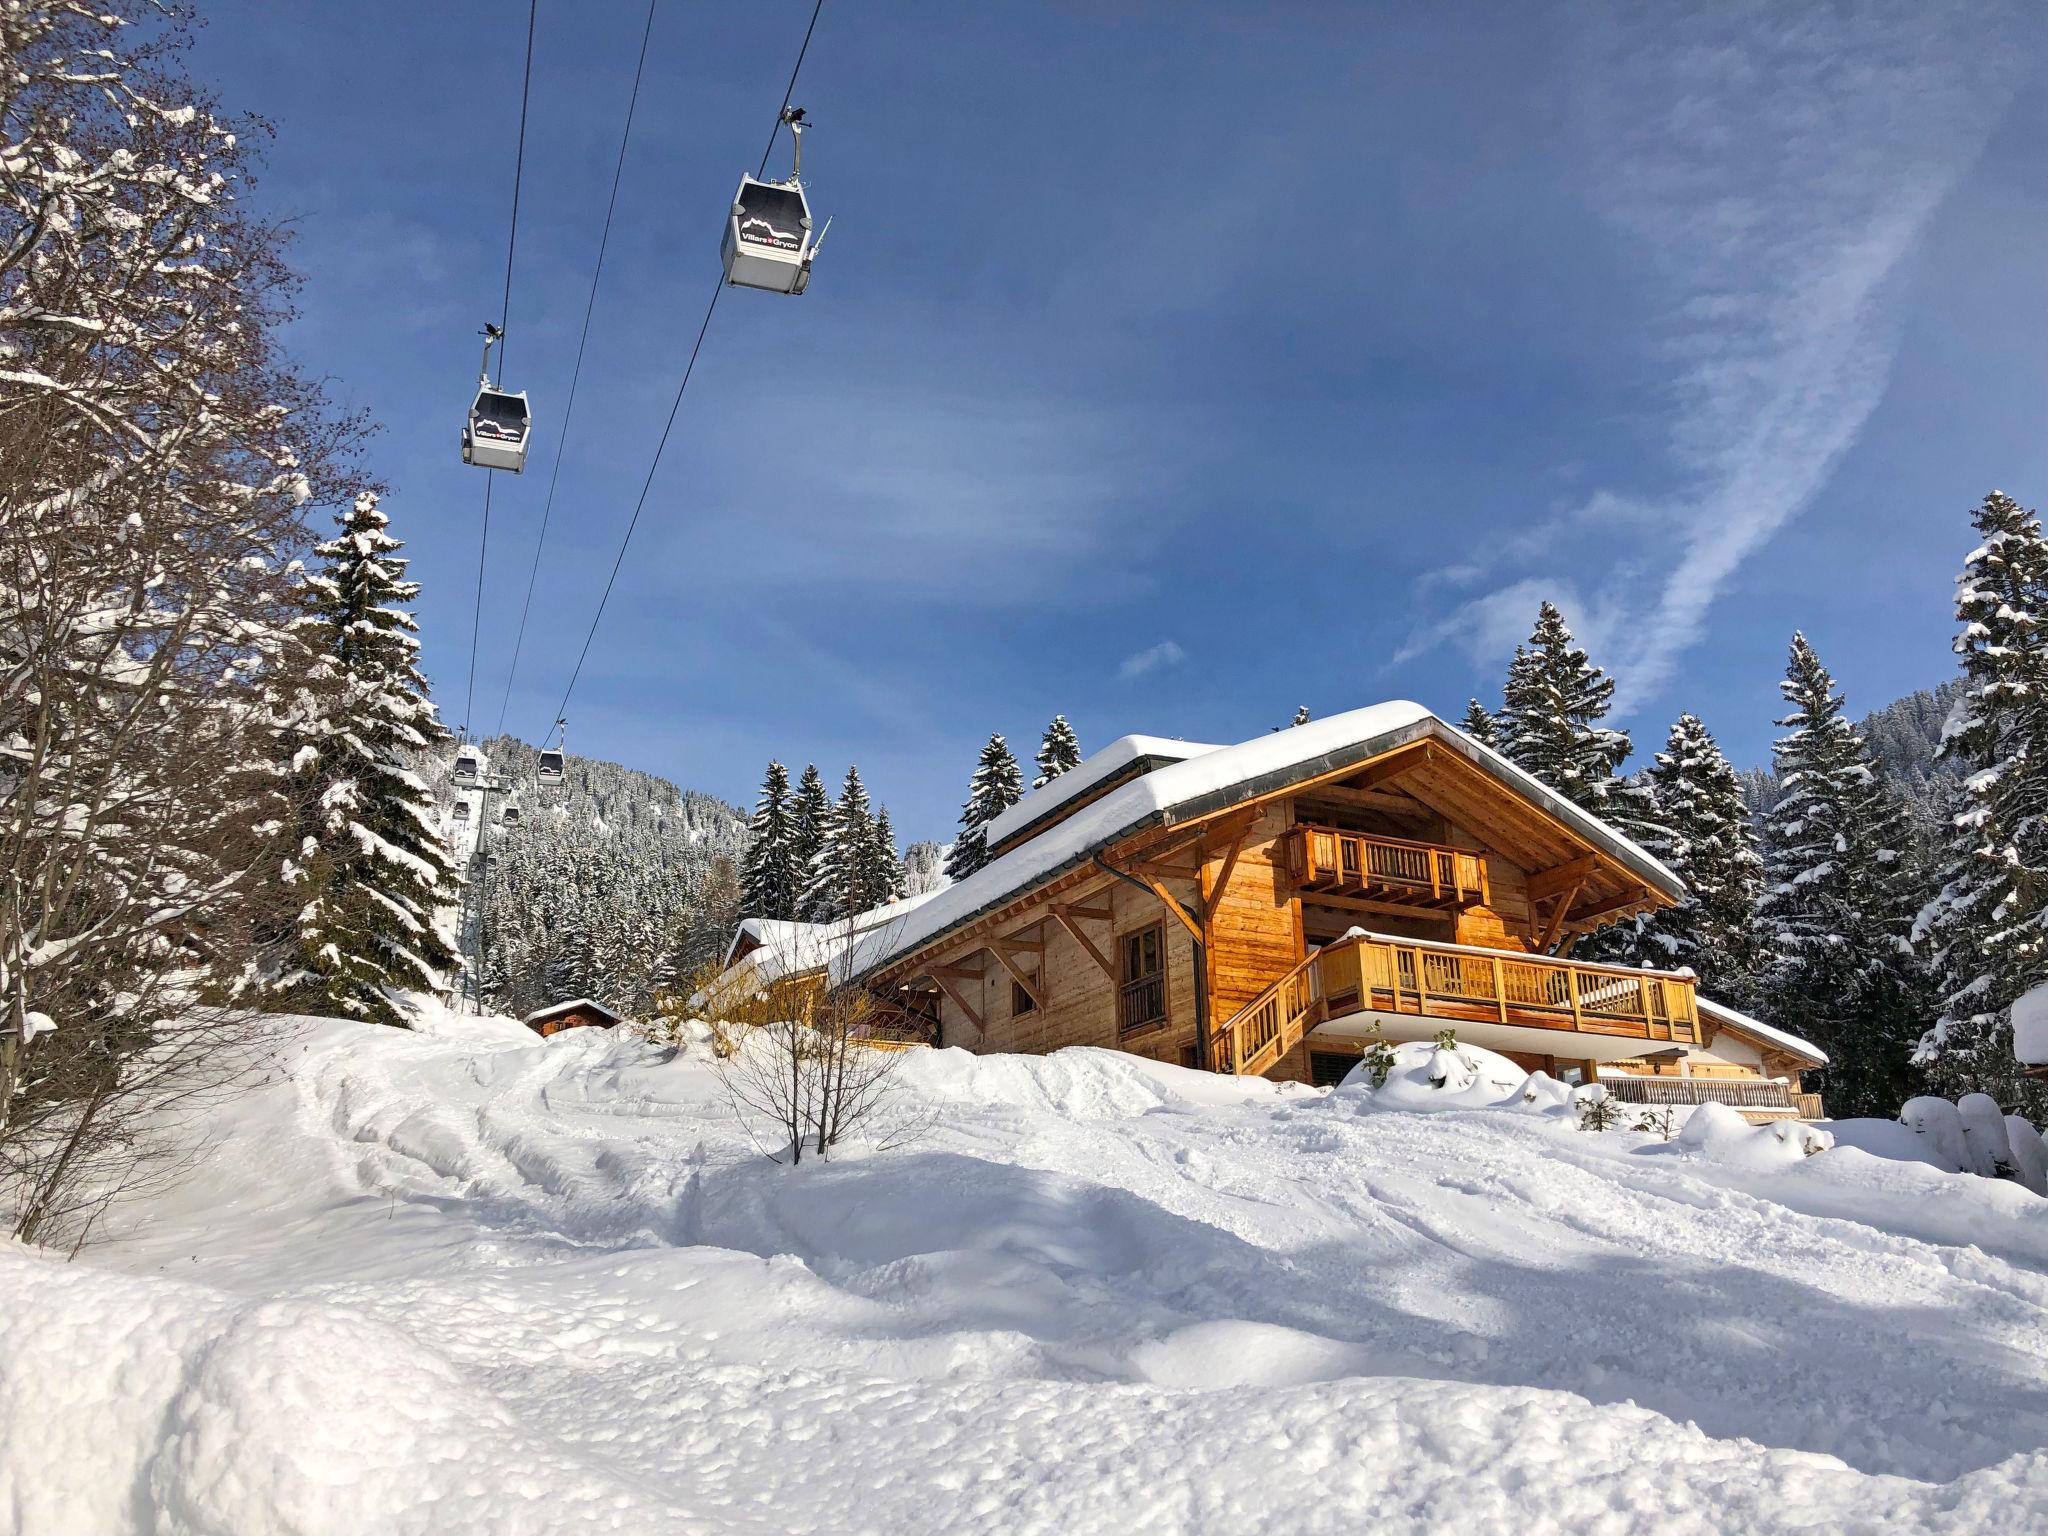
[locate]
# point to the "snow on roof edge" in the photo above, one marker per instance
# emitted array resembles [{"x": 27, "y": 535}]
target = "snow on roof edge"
[
  {"x": 1319, "y": 744},
  {"x": 570, "y": 1007},
  {"x": 1101, "y": 764},
  {"x": 1769, "y": 1032}
]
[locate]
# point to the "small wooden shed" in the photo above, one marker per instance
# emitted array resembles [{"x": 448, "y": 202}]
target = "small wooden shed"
[{"x": 577, "y": 1013}]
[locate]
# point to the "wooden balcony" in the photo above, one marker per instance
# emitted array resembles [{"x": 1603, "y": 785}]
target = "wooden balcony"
[
  {"x": 1456, "y": 984},
  {"x": 1386, "y": 869}
]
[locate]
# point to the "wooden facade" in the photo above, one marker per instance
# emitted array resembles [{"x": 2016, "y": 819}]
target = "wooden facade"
[{"x": 1279, "y": 929}]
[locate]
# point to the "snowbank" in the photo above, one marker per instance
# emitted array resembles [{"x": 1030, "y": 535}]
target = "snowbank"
[
  {"x": 467, "y": 1280},
  {"x": 1720, "y": 1134}
]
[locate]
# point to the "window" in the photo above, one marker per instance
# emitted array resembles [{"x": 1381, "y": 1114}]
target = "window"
[
  {"x": 1326, "y": 1069},
  {"x": 1020, "y": 1000},
  {"x": 1141, "y": 994}
]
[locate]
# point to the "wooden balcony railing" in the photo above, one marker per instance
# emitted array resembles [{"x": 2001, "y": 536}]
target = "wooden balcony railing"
[
  {"x": 1455, "y": 983},
  {"x": 1141, "y": 1003},
  {"x": 1452, "y": 982},
  {"x": 1387, "y": 868},
  {"x": 1735, "y": 1092}
]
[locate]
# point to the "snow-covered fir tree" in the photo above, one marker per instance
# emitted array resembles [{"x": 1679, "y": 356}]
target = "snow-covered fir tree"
[
  {"x": 1059, "y": 752},
  {"x": 812, "y": 812},
  {"x": 882, "y": 876},
  {"x": 1552, "y": 708},
  {"x": 1985, "y": 933},
  {"x": 1478, "y": 723},
  {"x": 846, "y": 877},
  {"x": 371, "y": 863},
  {"x": 1707, "y": 838},
  {"x": 997, "y": 785},
  {"x": 771, "y": 880},
  {"x": 1839, "y": 901}
]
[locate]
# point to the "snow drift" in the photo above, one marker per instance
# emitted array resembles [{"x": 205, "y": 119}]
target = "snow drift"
[{"x": 467, "y": 1280}]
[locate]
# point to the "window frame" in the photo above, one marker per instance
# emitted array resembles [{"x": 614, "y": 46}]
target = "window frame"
[{"x": 1123, "y": 951}]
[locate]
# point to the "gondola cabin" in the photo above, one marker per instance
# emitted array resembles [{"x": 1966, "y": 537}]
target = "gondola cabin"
[
  {"x": 496, "y": 434},
  {"x": 768, "y": 237},
  {"x": 467, "y": 766},
  {"x": 461, "y": 811},
  {"x": 552, "y": 768},
  {"x": 509, "y": 816}
]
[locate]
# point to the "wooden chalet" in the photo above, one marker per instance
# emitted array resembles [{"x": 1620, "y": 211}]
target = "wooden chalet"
[
  {"x": 577, "y": 1013},
  {"x": 1274, "y": 906}
]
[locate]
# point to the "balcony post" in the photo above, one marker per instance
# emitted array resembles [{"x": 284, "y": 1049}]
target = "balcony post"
[
  {"x": 1500, "y": 991},
  {"x": 1571, "y": 975}
]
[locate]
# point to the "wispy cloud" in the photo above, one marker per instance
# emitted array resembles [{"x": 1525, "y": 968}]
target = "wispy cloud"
[
  {"x": 1772, "y": 170},
  {"x": 1166, "y": 653}
]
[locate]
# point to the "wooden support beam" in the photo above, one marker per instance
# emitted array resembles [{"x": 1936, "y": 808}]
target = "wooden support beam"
[
  {"x": 1556, "y": 924},
  {"x": 1550, "y": 882},
  {"x": 1066, "y": 916},
  {"x": 1385, "y": 802},
  {"x": 1017, "y": 975},
  {"x": 1154, "y": 869},
  {"x": 1024, "y": 946},
  {"x": 1101, "y": 914},
  {"x": 957, "y": 972},
  {"x": 960, "y": 1002},
  {"x": 1404, "y": 761},
  {"x": 1215, "y": 896},
  {"x": 1617, "y": 906}
]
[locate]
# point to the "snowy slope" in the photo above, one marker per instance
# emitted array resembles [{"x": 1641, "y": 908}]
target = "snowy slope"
[{"x": 471, "y": 1281}]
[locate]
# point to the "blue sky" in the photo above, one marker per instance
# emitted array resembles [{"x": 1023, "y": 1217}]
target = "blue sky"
[{"x": 1171, "y": 365}]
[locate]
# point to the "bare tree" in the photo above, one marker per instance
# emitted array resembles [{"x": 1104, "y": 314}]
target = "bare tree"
[
  {"x": 157, "y": 459},
  {"x": 814, "y": 1062}
]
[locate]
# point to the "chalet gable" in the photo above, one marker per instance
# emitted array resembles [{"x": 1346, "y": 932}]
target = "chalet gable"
[{"x": 1396, "y": 757}]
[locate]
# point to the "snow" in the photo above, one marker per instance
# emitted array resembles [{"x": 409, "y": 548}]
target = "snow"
[
  {"x": 1721, "y": 1013},
  {"x": 462, "y": 1280},
  {"x": 1098, "y": 766},
  {"x": 1182, "y": 787},
  {"x": 2030, "y": 1027}
]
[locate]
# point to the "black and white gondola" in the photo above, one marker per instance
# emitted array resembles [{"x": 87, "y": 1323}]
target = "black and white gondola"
[
  {"x": 768, "y": 241},
  {"x": 500, "y": 423}
]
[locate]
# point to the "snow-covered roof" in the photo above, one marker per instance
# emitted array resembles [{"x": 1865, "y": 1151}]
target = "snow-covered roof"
[
  {"x": 1722, "y": 1013},
  {"x": 574, "y": 1005},
  {"x": 786, "y": 948},
  {"x": 1215, "y": 780},
  {"x": 1097, "y": 768}
]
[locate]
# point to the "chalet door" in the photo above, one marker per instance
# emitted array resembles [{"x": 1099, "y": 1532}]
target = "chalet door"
[{"x": 1141, "y": 994}]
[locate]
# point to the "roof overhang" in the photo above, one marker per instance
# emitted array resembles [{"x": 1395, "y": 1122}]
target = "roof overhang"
[{"x": 870, "y": 961}]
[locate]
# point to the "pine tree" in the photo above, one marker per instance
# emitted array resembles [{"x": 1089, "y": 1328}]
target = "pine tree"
[
  {"x": 997, "y": 785},
  {"x": 843, "y": 877},
  {"x": 813, "y": 817},
  {"x": 771, "y": 879},
  {"x": 1985, "y": 933},
  {"x": 1552, "y": 707},
  {"x": 882, "y": 874},
  {"x": 1058, "y": 753},
  {"x": 1839, "y": 901},
  {"x": 1707, "y": 839},
  {"x": 1479, "y": 723},
  {"x": 376, "y": 875}
]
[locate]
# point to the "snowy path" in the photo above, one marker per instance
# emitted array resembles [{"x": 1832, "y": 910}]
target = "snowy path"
[{"x": 473, "y": 1282}]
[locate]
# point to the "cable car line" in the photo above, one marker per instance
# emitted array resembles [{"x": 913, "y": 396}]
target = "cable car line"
[
  {"x": 632, "y": 523},
  {"x": 576, "y": 372},
  {"x": 504, "y": 321}
]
